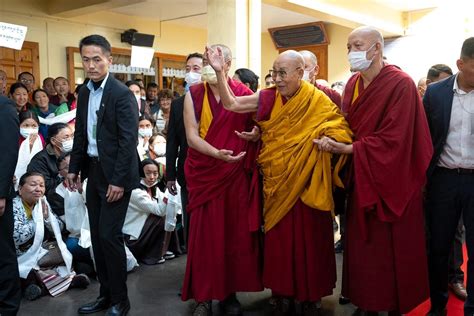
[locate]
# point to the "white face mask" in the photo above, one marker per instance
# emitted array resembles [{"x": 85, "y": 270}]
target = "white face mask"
[
  {"x": 25, "y": 132},
  {"x": 66, "y": 146},
  {"x": 306, "y": 74},
  {"x": 143, "y": 98},
  {"x": 359, "y": 61},
  {"x": 145, "y": 132},
  {"x": 209, "y": 75},
  {"x": 192, "y": 78},
  {"x": 142, "y": 181},
  {"x": 159, "y": 149}
]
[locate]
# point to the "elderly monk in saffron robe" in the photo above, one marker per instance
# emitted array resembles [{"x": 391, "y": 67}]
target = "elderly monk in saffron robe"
[
  {"x": 223, "y": 254},
  {"x": 298, "y": 180},
  {"x": 385, "y": 265}
]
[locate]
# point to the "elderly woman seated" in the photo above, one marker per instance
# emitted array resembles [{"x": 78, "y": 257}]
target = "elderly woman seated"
[{"x": 44, "y": 267}]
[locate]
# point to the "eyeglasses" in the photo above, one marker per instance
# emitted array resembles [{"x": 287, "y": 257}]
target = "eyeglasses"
[
  {"x": 27, "y": 80},
  {"x": 282, "y": 73}
]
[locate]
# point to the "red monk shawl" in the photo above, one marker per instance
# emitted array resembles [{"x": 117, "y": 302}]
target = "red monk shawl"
[
  {"x": 392, "y": 146},
  {"x": 207, "y": 177}
]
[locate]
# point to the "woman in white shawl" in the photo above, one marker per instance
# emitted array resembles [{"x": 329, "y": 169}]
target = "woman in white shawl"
[{"x": 41, "y": 270}]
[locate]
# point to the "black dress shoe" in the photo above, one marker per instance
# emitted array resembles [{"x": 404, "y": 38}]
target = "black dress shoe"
[
  {"x": 98, "y": 305},
  {"x": 119, "y": 309}
]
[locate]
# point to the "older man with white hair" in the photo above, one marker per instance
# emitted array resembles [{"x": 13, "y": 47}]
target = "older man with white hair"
[{"x": 298, "y": 181}]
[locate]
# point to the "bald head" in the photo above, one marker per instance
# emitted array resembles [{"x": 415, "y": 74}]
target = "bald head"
[
  {"x": 370, "y": 33},
  {"x": 369, "y": 40},
  {"x": 309, "y": 58},
  {"x": 310, "y": 65},
  {"x": 292, "y": 57}
]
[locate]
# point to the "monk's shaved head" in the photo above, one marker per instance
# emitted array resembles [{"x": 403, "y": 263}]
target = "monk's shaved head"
[
  {"x": 370, "y": 33},
  {"x": 309, "y": 57},
  {"x": 291, "y": 57}
]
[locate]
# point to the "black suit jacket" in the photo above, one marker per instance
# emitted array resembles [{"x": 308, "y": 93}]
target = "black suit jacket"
[
  {"x": 176, "y": 143},
  {"x": 9, "y": 146},
  {"x": 438, "y": 102},
  {"x": 117, "y": 135}
]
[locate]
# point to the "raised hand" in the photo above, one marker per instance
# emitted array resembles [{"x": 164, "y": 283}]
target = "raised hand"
[
  {"x": 226, "y": 155},
  {"x": 215, "y": 58}
]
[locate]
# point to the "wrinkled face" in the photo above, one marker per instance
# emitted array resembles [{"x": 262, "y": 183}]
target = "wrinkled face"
[
  {"x": 311, "y": 67},
  {"x": 42, "y": 100},
  {"x": 48, "y": 86},
  {"x": 20, "y": 96},
  {"x": 194, "y": 64},
  {"x": 466, "y": 69},
  {"x": 63, "y": 135},
  {"x": 165, "y": 104},
  {"x": 287, "y": 75},
  {"x": 32, "y": 190},
  {"x": 61, "y": 86},
  {"x": 144, "y": 124},
  {"x": 29, "y": 123},
  {"x": 96, "y": 62},
  {"x": 64, "y": 166},
  {"x": 151, "y": 174},
  {"x": 29, "y": 81}
]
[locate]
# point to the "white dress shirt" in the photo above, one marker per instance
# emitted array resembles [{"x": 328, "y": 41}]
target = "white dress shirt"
[
  {"x": 458, "y": 152},
  {"x": 95, "y": 99}
]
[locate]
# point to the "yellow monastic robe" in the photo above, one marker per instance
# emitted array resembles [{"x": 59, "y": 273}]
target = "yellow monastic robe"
[{"x": 292, "y": 165}]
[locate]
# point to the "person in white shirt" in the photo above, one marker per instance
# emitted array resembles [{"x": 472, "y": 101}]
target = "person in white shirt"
[{"x": 144, "y": 223}]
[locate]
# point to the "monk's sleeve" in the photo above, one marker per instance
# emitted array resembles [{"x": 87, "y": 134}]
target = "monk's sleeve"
[{"x": 390, "y": 163}]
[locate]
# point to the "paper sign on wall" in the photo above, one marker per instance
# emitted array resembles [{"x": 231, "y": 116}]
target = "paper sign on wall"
[
  {"x": 12, "y": 35},
  {"x": 141, "y": 56}
]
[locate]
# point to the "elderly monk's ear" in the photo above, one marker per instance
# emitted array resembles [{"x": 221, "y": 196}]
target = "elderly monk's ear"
[{"x": 300, "y": 72}]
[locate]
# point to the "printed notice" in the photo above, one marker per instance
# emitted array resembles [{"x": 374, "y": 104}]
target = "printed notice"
[
  {"x": 141, "y": 56},
  {"x": 12, "y": 35}
]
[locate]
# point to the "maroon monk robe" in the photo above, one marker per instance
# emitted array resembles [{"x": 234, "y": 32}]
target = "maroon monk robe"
[
  {"x": 331, "y": 93},
  {"x": 385, "y": 265},
  {"x": 299, "y": 259},
  {"x": 223, "y": 254}
]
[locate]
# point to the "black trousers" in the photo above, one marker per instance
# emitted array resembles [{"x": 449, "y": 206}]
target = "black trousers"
[
  {"x": 450, "y": 195},
  {"x": 456, "y": 259},
  {"x": 106, "y": 222},
  {"x": 10, "y": 291}
]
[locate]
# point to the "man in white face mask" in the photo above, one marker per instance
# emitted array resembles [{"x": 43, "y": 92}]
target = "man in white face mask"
[
  {"x": 311, "y": 70},
  {"x": 385, "y": 265}
]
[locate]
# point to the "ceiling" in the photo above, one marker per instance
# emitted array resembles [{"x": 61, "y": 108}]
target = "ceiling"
[{"x": 193, "y": 13}]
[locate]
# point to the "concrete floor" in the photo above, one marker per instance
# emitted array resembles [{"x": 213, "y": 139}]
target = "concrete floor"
[{"x": 153, "y": 290}]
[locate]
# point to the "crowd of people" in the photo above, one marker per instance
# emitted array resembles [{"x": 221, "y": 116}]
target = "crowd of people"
[{"x": 99, "y": 180}]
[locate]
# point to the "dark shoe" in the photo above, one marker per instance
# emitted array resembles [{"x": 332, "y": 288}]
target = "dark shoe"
[
  {"x": 339, "y": 246},
  {"x": 344, "y": 300},
  {"x": 119, "y": 309},
  {"x": 231, "y": 305},
  {"x": 203, "y": 309},
  {"x": 438, "y": 312},
  {"x": 80, "y": 281},
  {"x": 33, "y": 292},
  {"x": 312, "y": 308},
  {"x": 459, "y": 290},
  {"x": 100, "y": 304}
]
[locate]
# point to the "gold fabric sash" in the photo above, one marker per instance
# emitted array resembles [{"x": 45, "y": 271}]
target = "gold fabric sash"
[
  {"x": 206, "y": 115},
  {"x": 292, "y": 165}
]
